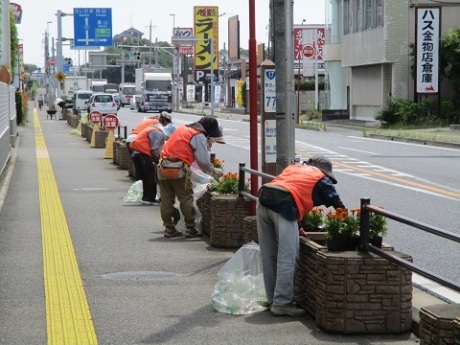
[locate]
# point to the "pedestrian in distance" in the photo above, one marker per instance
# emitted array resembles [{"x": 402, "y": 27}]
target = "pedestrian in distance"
[
  {"x": 147, "y": 145},
  {"x": 281, "y": 204},
  {"x": 187, "y": 144},
  {"x": 40, "y": 102}
]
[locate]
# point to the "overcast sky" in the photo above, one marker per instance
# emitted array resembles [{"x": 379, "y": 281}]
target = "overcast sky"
[{"x": 140, "y": 13}]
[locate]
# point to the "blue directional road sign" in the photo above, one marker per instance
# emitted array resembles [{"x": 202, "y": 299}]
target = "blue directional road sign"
[{"x": 92, "y": 27}]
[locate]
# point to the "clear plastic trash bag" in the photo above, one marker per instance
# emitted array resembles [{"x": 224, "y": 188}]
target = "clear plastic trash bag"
[
  {"x": 135, "y": 193},
  {"x": 240, "y": 286}
]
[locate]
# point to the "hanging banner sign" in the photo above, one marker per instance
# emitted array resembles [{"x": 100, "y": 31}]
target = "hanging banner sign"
[{"x": 427, "y": 62}]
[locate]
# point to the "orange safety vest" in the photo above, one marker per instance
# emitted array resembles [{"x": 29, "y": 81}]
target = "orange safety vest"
[
  {"x": 144, "y": 123},
  {"x": 178, "y": 145},
  {"x": 142, "y": 142},
  {"x": 299, "y": 180}
]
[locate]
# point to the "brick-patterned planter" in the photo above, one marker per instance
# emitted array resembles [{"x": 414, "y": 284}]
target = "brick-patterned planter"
[
  {"x": 74, "y": 120},
  {"x": 223, "y": 218},
  {"x": 351, "y": 292},
  {"x": 204, "y": 205},
  {"x": 250, "y": 229},
  {"x": 307, "y": 273},
  {"x": 457, "y": 330},
  {"x": 363, "y": 293},
  {"x": 121, "y": 154},
  {"x": 440, "y": 325},
  {"x": 116, "y": 153},
  {"x": 84, "y": 128},
  {"x": 131, "y": 170},
  {"x": 101, "y": 137},
  {"x": 89, "y": 133}
]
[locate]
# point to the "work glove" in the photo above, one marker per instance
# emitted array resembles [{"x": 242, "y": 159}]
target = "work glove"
[{"x": 217, "y": 173}]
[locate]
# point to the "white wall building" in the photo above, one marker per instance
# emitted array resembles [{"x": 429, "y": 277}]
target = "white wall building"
[{"x": 367, "y": 51}]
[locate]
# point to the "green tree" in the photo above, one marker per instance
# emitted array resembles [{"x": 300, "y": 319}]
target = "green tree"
[
  {"x": 450, "y": 59},
  {"x": 13, "y": 42}
]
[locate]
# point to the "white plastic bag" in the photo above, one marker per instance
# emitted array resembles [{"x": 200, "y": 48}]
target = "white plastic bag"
[
  {"x": 135, "y": 193},
  {"x": 240, "y": 285}
]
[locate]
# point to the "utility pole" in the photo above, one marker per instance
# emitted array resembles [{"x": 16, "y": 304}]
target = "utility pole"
[
  {"x": 282, "y": 14},
  {"x": 59, "y": 58}
]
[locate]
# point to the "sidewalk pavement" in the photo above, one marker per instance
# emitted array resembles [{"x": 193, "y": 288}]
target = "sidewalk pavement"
[{"x": 140, "y": 286}]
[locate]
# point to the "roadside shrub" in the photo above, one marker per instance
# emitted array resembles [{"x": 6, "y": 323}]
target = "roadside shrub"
[
  {"x": 388, "y": 115},
  {"x": 449, "y": 112},
  {"x": 422, "y": 114}
]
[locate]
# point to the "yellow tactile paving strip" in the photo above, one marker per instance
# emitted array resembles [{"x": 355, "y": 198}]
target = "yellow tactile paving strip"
[{"x": 68, "y": 317}]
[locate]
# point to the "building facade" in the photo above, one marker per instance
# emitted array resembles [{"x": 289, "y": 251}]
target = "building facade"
[{"x": 368, "y": 51}]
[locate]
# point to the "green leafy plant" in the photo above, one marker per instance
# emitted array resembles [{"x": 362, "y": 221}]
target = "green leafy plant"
[
  {"x": 341, "y": 223},
  {"x": 313, "y": 219},
  {"x": 377, "y": 225},
  {"x": 227, "y": 184}
]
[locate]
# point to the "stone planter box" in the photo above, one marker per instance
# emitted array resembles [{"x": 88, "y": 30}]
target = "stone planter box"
[
  {"x": 101, "y": 137},
  {"x": 352, "y": 292},
  {"x": 250, "y": 229},
  {"x": 204, "y": 205},
  {"x": 440, "y": 324},
  {"x": 223, "y": 218},
  {"x": 121, "y": 154},
  {"x": 131, "y": 170},
  {"x": 116, "y": 153},
  {"x": 84, "y": 128},
  {"x": 74, "y": 120},
  {"x": 89, "y": 133}
]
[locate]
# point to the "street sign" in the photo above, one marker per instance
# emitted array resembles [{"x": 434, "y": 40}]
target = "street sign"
[
  {"x": 95, "y": 116},
  {"x": 60, "y": 76},
  {"x": 110, "y": 122},
  {"x": 92, "y": 27},
  {"x": 308, "y": 51}
]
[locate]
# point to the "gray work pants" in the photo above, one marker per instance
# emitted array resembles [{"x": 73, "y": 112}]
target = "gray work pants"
[{"x": 279, "y": 248}]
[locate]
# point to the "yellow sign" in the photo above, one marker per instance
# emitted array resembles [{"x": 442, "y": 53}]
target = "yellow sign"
[
  {"x": 206, "y": 19},
  {"x": 60, "y": 77}
]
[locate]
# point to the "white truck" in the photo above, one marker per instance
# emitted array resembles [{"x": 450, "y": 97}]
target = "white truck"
[
  {"x": 97, "y": 85},
  {"x": 156, "y": 90},
  {"x": 127, "y": 91},
  {"x": 74, "y": 83}
]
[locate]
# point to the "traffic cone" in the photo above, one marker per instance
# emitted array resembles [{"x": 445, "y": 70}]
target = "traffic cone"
[
  {"x": 109, "y": 145},
  {"x": 93, "y": 135}
]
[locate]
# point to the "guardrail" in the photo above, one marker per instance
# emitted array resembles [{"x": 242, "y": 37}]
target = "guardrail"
[{"x": 365, "y": 246}]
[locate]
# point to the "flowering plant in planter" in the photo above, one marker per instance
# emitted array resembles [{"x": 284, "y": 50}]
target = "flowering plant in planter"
[
  {"x": 227, "y": 184},
  {"x": 341, "y": 223},
  {"x": 377, "y": 225},
  {"x": 217, "y": 163},
  {"x": 313, "y": 220}
]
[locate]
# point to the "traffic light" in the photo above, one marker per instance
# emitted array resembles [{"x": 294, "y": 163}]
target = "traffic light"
[
  {"x": 138, "y": 55},
  {"x": 68, "y": 61}
]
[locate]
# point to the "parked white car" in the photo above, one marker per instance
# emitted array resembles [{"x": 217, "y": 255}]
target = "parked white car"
[{"x": 103, "y": 102}]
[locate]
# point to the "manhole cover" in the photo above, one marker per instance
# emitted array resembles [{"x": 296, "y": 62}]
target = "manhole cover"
[{"x": 141, "y": 276}]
